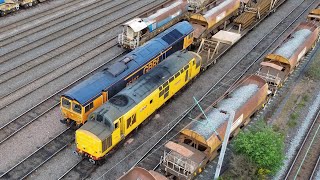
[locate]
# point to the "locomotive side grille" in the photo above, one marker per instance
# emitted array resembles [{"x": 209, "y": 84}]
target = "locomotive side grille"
[{"x": 106, "y": 143}]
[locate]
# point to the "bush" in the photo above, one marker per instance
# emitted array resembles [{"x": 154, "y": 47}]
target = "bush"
[{"x": 262, "y": 146}]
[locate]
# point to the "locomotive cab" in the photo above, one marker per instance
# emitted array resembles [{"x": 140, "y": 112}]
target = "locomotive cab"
[
  {"x": 75, "y": 113},
  {"x": 132, "y": 33}
]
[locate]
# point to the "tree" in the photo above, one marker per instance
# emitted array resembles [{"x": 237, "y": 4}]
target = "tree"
[{"x": 262, "y": 146}]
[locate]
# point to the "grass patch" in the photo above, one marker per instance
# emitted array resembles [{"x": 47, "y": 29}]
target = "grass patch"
[
  {"x": 293, "y": 120},
  {"x": 313, "y": 71},
  {"x": 292, "y": 123}
]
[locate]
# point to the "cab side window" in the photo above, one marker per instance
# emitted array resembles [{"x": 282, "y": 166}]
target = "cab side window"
[
  {"x": 77, "y": 108},
  {"x": 116, "y": 125},
  {"x": 66, "y": 103},
  {"x": 88, "y": 107}
]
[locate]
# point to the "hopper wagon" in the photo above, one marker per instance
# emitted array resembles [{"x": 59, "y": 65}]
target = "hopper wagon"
[
  {"x": 198, "y": 143},
  {"x": 207, "y": 22},
  {"x": 142, "y": 174},
  {"x": 281, "y": 62}
]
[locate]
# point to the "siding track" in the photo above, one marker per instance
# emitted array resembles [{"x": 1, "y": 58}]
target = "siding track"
[{"x": 151, "y": 159}]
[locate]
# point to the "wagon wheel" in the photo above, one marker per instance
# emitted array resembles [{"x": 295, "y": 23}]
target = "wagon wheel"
[
  {"x": 2, "y": 13},
  {"x": 17, "y": 8},
  {"x": 30, "y": 4}
]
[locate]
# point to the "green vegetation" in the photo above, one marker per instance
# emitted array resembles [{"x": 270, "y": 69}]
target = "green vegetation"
[
  {"x": 292, "y": 123},
  {"x": 261, "y": 149},
  {"x": 313, "y": 71},
  {"x": 294, "y": 116}
]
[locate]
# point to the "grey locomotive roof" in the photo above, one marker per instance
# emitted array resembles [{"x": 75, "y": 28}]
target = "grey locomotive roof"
[
  {"x": 141, "y": 88},
  {"x": 98, "y": 128},
  {"x": 289, "y": 47},
  {"x": 216, "y": 118}
]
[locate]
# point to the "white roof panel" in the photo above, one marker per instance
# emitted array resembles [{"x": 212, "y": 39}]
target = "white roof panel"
[{"x": 137, "y": 24}]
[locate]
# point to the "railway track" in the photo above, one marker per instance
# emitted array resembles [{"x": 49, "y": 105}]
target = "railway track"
[
  {"x": 39, "y": 157},
  {"x": 48, "y": 57},
  {"x": 10, "y": 30},
  {"x": 14, "y": 126},
  {"x": 34, "y": 113},
  {"x": 52, "y": 26},
  {"x": 307, "y": 158},
  {"x": 10, "y": 96},
  {"x": 150, "y": 160},
  {"x": 56, "y": 31},
  {"x": 81, "y": 170}
]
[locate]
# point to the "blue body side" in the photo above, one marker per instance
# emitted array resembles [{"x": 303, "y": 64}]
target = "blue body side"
[
  {"x": 159, "y": 24},
  {"x": 1, "y": 1},
  {"x": 91, "y": 88}
]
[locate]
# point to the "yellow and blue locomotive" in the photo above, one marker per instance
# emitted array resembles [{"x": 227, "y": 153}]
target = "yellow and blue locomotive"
[
  {"x": 112, "y": 122},
  {"x": 81, "y": 100}
]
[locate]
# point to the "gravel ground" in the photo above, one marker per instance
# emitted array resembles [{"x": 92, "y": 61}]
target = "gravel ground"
[
  {"x": 184, "y": 100},
  {"x": 41, "y": 130},
  {"x": 30, "y": 139},
  {"x": 57, "y": 166},
  {"x": 60, "y": 56},
  {"x": 63, "y": 25},
  {"x": 170, "y": 110},
  {"x": 44, "y": 19},
  {"x": 295, "y": 142},
  {"x": 318, "y": 174},
  {"x": 296, "y": 135},
  {"x": 11, "y": 111},
  {"x": 23, "y": 14},
  {"x": 51, "y": 125}
]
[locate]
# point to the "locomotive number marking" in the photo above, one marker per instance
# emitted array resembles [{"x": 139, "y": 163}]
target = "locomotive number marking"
[{"x": 150, "y": 65}]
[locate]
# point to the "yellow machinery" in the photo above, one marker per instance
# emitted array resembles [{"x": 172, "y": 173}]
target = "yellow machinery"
[{"x": 113, "y": 121}]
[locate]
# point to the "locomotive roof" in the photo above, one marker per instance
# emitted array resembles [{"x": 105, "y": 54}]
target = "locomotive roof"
[
  {"x": 129, "y": 97},
  {"x": 137, "y": 24},
  {"x": 139, "y": 90},
  {"x": 93, "y": 86}
]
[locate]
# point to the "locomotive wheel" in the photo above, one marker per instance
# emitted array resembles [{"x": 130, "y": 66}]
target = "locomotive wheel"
[
  {"x": 2, "y": 13},
  {"x": 92, "y": 161},
  {"x": 30, "y": 4}
]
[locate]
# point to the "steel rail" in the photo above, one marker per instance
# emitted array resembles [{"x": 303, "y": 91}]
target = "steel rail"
[
  {"x": 7, "y": 94},
  {"x": 56, "y": 139},
  {"x": 15, "y": 125},
  {"x": 16, "y": 171},
  {"x": 50, "y": 24},
  {"x": 302, "y": 147},
  {"x": 186, "y": 112},
  {"x": 315, "y": 169},
  {"x": 5, "y": 57},
  {"x": 27, "y": 20}
]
